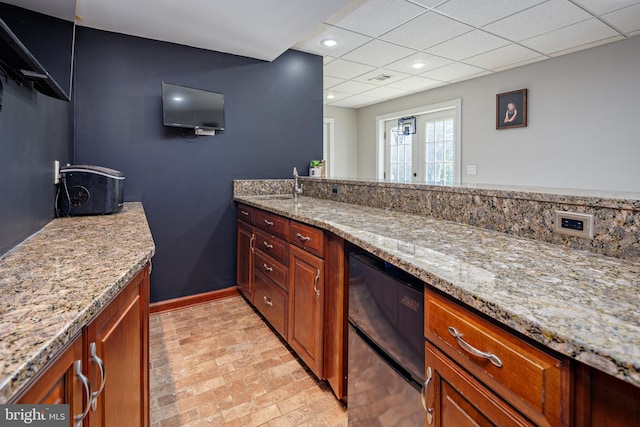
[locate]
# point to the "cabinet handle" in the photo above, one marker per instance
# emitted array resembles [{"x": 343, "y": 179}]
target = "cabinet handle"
[
  {"x": 470, "y": 349},
  {"x": 268, "y": 246},
  {"x": 103, "y": 376},
  {"x": 267, "y": 301},
  {"x": 252, "y": 244},
  {"x": 303, "y": 238},
  {"x": 423, "y": 396},
  {"x": 78, "y": 419},
  {"x": 266, "y": 267},
  {"x": 269, "y": 223},
  {"x": 315, "y": 284},
  {"x": 245, "y": 213}
]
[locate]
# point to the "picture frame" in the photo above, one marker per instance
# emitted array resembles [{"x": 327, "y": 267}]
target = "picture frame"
[{"x": 511, "y": 109}]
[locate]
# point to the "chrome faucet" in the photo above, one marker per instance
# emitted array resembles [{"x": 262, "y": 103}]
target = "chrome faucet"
[{"x": 297, "y": 190}]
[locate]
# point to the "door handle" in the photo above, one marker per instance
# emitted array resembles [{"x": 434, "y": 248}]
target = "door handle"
[
  {"x": 103, "y": 376},
  {"x": 268, "y": 246},
  {"x": 303, "y": 238},
  {"x": 269, "y": 223},
  {"x": 267, "y": 268},
  {"x": 315, "y": 284},
  {"x": 423, "y": 396},
  {"x": 472, "y": 350},
  {"x": 78, "y": 419},
  {"x": 267, "y": 301}
]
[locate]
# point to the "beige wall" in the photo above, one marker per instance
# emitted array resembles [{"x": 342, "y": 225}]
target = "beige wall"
[
  {"x": 345, "y": 144},
  {"x": 584, "y": 122}
]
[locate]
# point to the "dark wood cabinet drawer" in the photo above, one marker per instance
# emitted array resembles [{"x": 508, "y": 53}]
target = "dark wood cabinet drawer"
[
  {"x": 533, "y": 381},
  {"x": 271, "y": 268},
  {"x": 272, "y": 246},
  {"x": 245, "y": 213},
  {"x": 271, "y": 301},
  {"x": 306, "y": 237},
  {"x": 272, "y": 223}
]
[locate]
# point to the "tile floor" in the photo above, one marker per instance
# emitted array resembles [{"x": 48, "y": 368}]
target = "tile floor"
[{"x": 218, "y": 364}]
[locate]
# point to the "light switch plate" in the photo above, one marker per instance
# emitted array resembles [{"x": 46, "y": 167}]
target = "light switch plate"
[{"x": 569, "y": 223}]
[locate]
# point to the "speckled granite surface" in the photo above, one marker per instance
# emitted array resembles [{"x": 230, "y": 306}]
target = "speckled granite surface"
[
  {"x": 262, "y": 187},
  {"x": 520, "y": 211},
  {"x": 580, "y": 304},
  {"x": 56, "y": 281}
]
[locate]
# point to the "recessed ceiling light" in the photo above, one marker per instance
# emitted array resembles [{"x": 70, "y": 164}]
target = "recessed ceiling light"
[
  {"x": 177, "y": 98},
  {"x": 331, "y": 96},
  {"x": 418, "y": 65},
  {"x": 329, "y": 42}
]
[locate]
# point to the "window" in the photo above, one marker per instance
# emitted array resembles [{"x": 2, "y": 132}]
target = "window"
[{"x": 431, "y": 154}]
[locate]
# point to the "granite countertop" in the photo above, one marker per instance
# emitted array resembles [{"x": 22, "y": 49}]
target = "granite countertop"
[
  {"x": 57, "y": 280},
  {"x": 577, "y": 303}
]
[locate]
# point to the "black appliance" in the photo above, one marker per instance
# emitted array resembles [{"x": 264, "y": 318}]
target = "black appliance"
[
  {"x": 38, "y": 47},
  {"x": 186, "y": 107},
  {"x": 386, "y": 345},
  {"x": 89, "y": 190}
]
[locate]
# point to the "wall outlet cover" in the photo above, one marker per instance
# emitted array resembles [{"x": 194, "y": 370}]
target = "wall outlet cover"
[{"x": 472, "y": 169}]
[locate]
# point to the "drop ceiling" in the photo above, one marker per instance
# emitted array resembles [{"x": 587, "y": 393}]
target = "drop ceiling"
[{"x": 380, "y": 41}]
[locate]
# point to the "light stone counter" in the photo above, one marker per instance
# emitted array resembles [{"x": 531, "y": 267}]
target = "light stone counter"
[
  {"x": 56, "y": 281},
  {"x": 575, "y": 302}
]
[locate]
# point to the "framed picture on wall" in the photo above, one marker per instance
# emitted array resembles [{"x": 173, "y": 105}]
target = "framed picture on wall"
[{"x": 511, "y": 109}]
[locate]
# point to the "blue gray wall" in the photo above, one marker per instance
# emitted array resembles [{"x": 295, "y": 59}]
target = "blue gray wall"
[
  {"x": 35, "y": 130},
  {"x": 273, "y": 122}
]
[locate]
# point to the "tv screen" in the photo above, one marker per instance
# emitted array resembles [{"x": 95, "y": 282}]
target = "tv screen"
[
  {"x": 192, "y": 108},
  {"x": 36, "y": 43}
]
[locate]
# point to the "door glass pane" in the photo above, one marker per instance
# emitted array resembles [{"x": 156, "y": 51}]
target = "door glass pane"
[
  {"x": 439, "y": 151},
  {"x": 408, "y": 158},
  {"x": 394, "y": 153},
  {"x": 448, "y": 151},
  {"x": 394, "y": 172},
  {"x": 448, "y": 129},
  {"x": 439, "y": 173},
  {"x": 439, "y": 130},
  {"x": 431, "y": 156},
  {"x": 401, "y": 153},
  {"x": 430, "y": 131},
  {"x": 430, "y": 173},
  {"x": 408, "y": 172},
  {"x": 448, "y": 173},
  {"x": 401, "y": 173}
]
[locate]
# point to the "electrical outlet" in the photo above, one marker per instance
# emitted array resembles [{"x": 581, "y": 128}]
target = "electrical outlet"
[
  {"x": 56, "y": 172},
  {"x": 573, "y": 224},
  {"x": 472, "y": 169},
  {"x": 334, "y": 190}
]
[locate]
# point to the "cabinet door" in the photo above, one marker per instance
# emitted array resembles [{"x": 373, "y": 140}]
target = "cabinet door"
[
  {"x": 454, "y": 398},
  {"x": 244, "y": 263},
  {"x": 120, "y": 336},
  {"x": 306, "y": 308},
  {"x": 59, "y": 383}
]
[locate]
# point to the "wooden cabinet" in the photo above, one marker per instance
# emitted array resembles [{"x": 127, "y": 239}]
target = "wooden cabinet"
[
  {"x": 244, "y": 266},
  {"x": 306, "y": 308},
  {"x": 118, "y": 340},
  {"x": 60, "y": 382},
  {"x": 112, "y": 356}
]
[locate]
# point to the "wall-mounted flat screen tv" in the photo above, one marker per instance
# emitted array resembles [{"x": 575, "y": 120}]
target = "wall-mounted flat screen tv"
[
  {"x": 37, "y": 43},
  {"x": 186, "y": 107}
]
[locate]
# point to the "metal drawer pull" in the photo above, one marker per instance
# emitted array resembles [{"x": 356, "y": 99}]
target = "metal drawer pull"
[
  {"x": 423, "y": 396},
  {"x": 266, "y": 267},
  {"x": 251, "y": 244},
  {"x": 268, "y": 246},
  {"x": 103, "y": 376},
  {"x": 315, "y": 284},
  {"x": 469, "y": 348},
  {"x": 267, "y": 301},
  {"x": 87, "y": 390},
  {"x": 269, "y": 223},
  {"x": 303, "y": 238},
  {"x": 245, "y": 213}
]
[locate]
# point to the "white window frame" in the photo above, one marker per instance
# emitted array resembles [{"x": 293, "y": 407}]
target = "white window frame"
[{"x": 433, "y": 108}]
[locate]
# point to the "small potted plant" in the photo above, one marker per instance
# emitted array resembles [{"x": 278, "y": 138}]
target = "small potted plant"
[{"x": 315, "y": 169}]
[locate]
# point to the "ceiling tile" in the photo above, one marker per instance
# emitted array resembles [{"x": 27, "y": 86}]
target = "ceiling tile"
[
  {"x": 336, "y": 96},
  {"x": 469, "y": 44},
  {"x": 569, "y": 37},
  {"x": 600, "y": 7},
  {"x": 472, "y": 76},
  {"x": 587, "y": 46},
  {"x": 483, "y": 12},
  {"x": 375, "y": 17},
  {"x": 355, "y": 101},
  {"x": 347, "y": 41},
  {"x": 627, "y": 19},
  {"x": 395, "y": 76},
  {"x": 501, "y": 57},
  {"x": 416, "y": 83},
  {"x": 327, "y": 59},
  {"x": 378, "y": 53},
  {"x": 353, "y": 88},
  {"x": 540, "y": 19},
  {"x": 428, "y": 3},
  {"x": 521, "y": 63},
  {"x": 384, "y": 92},
  {"x": 425, "y": 31},
  {"x": 430, "y": 62},
  {"x": 331, "y": 81},
  {"x": 452, "y": 72},
  {"x": 347, "y": 70}
]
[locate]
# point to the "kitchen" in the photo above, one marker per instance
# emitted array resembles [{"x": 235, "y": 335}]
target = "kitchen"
[{"x": 581, "y": 99}]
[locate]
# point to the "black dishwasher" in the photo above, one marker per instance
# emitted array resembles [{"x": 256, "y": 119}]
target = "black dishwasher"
[{"x": 386, "y": 345}]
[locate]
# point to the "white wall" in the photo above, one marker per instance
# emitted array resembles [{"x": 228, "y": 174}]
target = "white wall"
[
  {"x": 346, "y": 142},
  {"x": 584, "y": 122}
]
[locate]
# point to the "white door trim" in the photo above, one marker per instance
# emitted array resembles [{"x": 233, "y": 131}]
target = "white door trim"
[{"x": 328, "y": 150}]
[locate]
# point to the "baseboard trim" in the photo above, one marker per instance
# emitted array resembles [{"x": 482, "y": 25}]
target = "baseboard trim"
[{"x": 182, "y": 302}]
